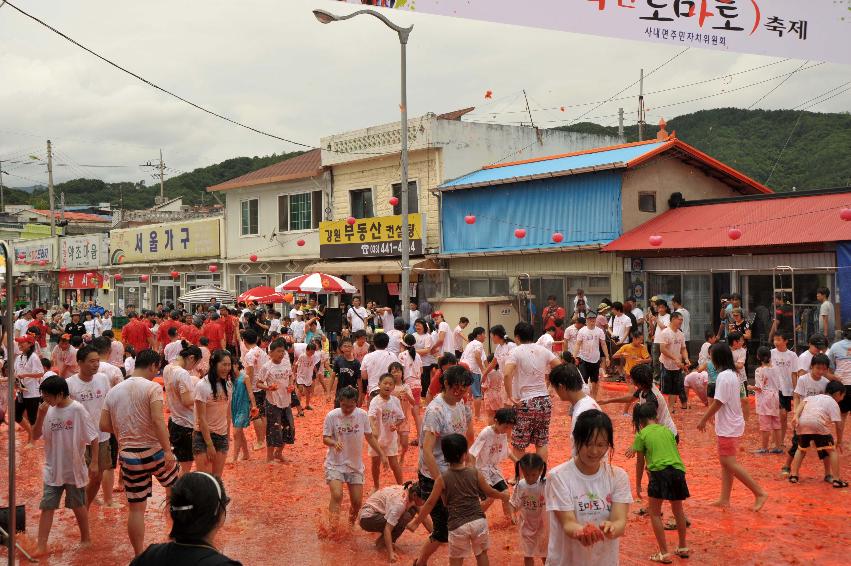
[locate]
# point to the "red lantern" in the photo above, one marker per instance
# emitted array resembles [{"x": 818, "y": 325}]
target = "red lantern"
[
  {"x": 214, "y": 268},
  {"x": 174, "y": 274},
  {"x": 655, "y": 240},
  {"x": 351, "y": 220},
  {"x": 253, "y": 257},
  {"x": 143, "y": 278},
  {"x": 845, "y": 214},
  {"x": 558, "y": 237},
  {"x": 734, "y": 233},
  {"x": 520, "y": 233},
  {"x": 42, "y": 262},
  {"x": 394, "y": 201},
  {"x": 470, "y": 219},
  {"x": 300, "y": 243},
  {"x": 117, "y": 277}
]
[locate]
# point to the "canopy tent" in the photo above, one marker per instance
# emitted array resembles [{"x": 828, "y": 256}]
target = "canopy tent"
[
  {"x": 204, "y": 294},
  {"x": 263, "y": 295},
  {"x": 316, "y": 283}
]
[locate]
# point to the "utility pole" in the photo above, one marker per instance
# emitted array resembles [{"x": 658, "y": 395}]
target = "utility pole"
[
  {"x": 620, "y": 125},
  {"x": 529, "y": 110},
  {"x": 641, "y": 116},
  {"x": 50, "y": 190},
  {"x": 162, "y": 178},
  {"x": 2, "y": 190}
]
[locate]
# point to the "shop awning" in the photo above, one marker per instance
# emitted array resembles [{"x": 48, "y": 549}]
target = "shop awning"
[{"x": 368, "y": 267}]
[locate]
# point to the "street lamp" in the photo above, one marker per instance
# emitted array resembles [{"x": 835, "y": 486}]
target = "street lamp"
[{"x": 403, "y": 33}]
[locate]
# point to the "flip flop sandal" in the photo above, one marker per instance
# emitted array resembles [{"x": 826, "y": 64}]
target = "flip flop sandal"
[
  {"x": 793, "y": 479},
  {"x": 682, "y": 552},
  {"x": 839, "y": 484},
  {"x": 661, "y": 558},
  {"x": 641, "y": 512},
  {"x": 671, "y": 525}
]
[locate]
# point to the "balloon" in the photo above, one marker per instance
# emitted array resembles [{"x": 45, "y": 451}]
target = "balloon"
[
  {"x": 520, "y": 233},
  {"x": 174, "y": 274},
  {"x": 845, "y": 214},
  {"x": 394, "y": 201},
  {"x": 143, "y": 278},
  {"x": 288, "y": 297},
  {"x": 117, "y": 277},
  {"x": 470, "y": 219},
  {"x": 489, "y": 94},
  {"x": 558, "y": 237},
  {"x": 214, "y": 268},
  {"x": 655, "y": 240},
  {"x": 734, "y": 233},
  {"x": 351, "y": 220},
  {"x": 300, "y": 243},
  {"x": 253, "y": 257}
]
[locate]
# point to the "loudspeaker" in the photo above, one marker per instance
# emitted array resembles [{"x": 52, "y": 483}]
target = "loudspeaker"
[{"x": 333, "y": 320}]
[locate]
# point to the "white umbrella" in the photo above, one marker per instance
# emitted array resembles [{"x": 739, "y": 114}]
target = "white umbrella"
[
  {"x": 316, "y": 283},
  {"x": 204, "y": 294}
]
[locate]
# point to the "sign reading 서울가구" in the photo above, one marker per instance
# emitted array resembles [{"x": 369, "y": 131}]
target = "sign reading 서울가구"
[
  {"x": 375, "y": 237},
  {"x": 168, "y": 241}
]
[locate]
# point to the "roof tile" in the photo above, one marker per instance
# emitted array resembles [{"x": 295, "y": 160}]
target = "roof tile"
[{"x": 303, "y": 166}]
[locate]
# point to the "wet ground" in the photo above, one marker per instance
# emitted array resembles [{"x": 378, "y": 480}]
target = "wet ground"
[{"x": 276, "y": 509}]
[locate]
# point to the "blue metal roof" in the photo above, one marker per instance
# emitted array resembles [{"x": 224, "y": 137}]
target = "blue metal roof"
[{"x": 555, "y": 166}]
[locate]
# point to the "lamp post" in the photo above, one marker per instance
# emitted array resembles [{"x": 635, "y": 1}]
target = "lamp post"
[{"x": 403, "y": 33}]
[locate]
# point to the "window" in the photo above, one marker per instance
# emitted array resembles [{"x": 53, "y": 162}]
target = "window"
[
  {"x": 249, "y": 217},
  {"x": 301, "y": 211},
  {"x": 361, "y": 203},
  {"x": 246, "y": 282},
  {"x": 478, "y": 287},
  {"x": 647, "y": 202},
  {"x": 413, "y": 197}
]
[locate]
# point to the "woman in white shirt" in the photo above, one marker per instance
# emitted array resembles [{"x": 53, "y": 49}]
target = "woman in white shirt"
[
  {"x": 474, "y": 358},
  {"x": 210, "y": 442},
  {"x": 29, "y": 372},
  {"x": 659, "y": 322}
]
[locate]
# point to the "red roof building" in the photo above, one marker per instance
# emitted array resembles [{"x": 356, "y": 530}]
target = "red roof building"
[{"x": 303, "y": 166}]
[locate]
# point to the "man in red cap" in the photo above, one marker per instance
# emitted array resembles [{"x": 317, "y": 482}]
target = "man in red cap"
[{"x": 43, "y": 329}]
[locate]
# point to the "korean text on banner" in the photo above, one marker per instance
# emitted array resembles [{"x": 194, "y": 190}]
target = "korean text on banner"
[
  {"x": 379, "y": 236},
  {"x": 165, "y": 242},
  {"x": 800, "y": 29}
]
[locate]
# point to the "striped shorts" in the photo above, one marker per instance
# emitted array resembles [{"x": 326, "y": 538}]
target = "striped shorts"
[{"x": 138, "y": 465}]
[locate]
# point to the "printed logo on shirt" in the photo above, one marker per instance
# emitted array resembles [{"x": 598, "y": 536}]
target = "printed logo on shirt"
[
  {"x": 591, "y": 502},
  {"x": 58, "y": 425},
  {"x": 348, "y": 427},
  {"x": 532, "y": 502}
]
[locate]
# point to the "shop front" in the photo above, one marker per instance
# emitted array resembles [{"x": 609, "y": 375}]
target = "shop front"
[
  {"x": 81, "y": 261},
  {"x": 35, "y": 262},
  {"x": 80, "y": 287}
]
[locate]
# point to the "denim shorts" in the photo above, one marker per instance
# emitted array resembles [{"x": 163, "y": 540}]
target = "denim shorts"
[
  {"x": 476, "y": 388},
  {"x": 75, "y": 497},
  {"x": 353, "y": 478},
  {"x": 220, "y": 443}
]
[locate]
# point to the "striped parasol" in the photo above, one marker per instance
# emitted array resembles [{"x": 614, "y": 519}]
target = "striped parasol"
[
  {"x": 204, "y": 294},
  {"x": 316, "y": 283},
  {"x": 264, "y": 295}
]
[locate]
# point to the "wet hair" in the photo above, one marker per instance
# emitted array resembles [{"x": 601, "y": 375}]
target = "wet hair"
[
  {"x": 197, "y": 503},
  {"x": 637, "y": 333},
  {"x": 204, "y": 341},
  {"x": 568, "y": 358},
  {"x": 528, "y": 462},
  {"x": 524, "y": 332},
  {"x": 737, "y": 337},
  {"x": 278, "y": 343},
  {"x": 146, "y": 359},
  {"x": 108, "y": 334},
  {"x": 359, "y": 334},
  {"x": 763, "y": 354},
  {"x": 457, "y": 375},
  {"x": 172, "y": 332},
  {"x": 505, "y": 415},
  {"x": 76, "y": 341},
  {"x": 380, "y": 340},
  {"x": 834, "y": 387},
  {"x": 54, "y": 385},
  {"x": 499, "y": 330},
  {"x": 399, "y": 324},
  {"x": 820, "y": 360},
  {"x": 102, "y": 345},
  {"x": 310, "y": 347},
  {"x": 46, "y": 363},
  {"x": 618, "y": 306},
  {"x": 454, "y": 447},
  {"x": 477, "y": 331},
  {"x": 413, "y": 489},
  {"x": 588, "y": 424},
  {"x": 411, "y": 345},
  {"x": 348, "y": 393},
  {"x": 213, "y": 374},
  {"x": 643, "y": 413},
  {"x": 189, "y": 350},
  {"x": 395, "y": 365},
  {"x": 84, "y": 352},
  {"x": 817, "y": 340},
  {"x": 567, "y": 376},
  {"x": 780, "y": 335},
  {"x": 386, "y": 376},
  {"x": 642, "y": 376},
  {"x": 676, "y": 315},
  {"x": 722, "y": 357},
  {"x": 447, "y": 359},
  {"x": 708, "y": 334},
  {"x": 250, "y": 337}
]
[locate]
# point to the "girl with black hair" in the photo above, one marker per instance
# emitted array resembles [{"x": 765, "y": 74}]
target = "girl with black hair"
[
  {"x": 180, "y": 395},
  {"x": 29, "y": 372},
  {"x": 475, "y": 359},
  {"x": 424, "y": 343},
  {"x": 213, "y": 414},
  {"x": 389, "y": 511},
  {"x": 412, "y": 365},
  {"x": 198, "y": 507},
  {"x": 588, "y": 498},
  {"x": 528, "y": 505}
]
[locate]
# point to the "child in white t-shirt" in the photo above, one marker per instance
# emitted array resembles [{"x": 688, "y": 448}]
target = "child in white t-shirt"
[
  {"x": 67, "y": 429},
  {"x": 528, "y": 504},
  {"x": 402, "y": 391},
  {"x": 490, "y": 448},
  {"x": 385, "y": 415},
  {"x": 812, "y": 422},
  {"x": 766, "y": 386},
  {"x": 343, "y": 432},
  {"x": 304, "y": 370},
  {"x": 740, "y": 354},
  {"x": 812, "y": 383},
  {"x": 493, "y": 388}
]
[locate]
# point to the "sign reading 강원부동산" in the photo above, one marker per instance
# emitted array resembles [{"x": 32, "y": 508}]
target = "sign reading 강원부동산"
[
  {"x": 168, "y": 241},
  {"x": 379, "y": 236}
]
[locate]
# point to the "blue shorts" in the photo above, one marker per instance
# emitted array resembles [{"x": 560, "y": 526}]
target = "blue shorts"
[{"x": 476, "y": 388}]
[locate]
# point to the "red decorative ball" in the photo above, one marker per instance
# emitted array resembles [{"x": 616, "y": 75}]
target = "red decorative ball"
[
  {"x": 214, "y": 268},
  {"x": 174, "y": 274},
  {"x": 300, "y": 243},
  {"x": 558, "y": 237},
  {"x": 351, "y": 220},
  {"x": 520, "y": 233},
  {"x": 143, "y": 278},
  {"x": 394, "y": 201},
  {"x": 655, "y": 240},
  {"x": 117, "y": 277},
  {"x": 470, "y": 219},
  {"x": 734, "y": 233},
  {"x": 42, "y": 262},
  {"x": 253, "y": 257},
  {"x": 845, "y": 214}
]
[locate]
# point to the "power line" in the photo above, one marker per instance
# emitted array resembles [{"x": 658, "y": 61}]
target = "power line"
[{"x": 789, "y": 76}]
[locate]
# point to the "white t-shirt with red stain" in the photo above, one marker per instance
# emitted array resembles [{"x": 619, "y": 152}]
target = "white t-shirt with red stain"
[
  {"x": 388, "y": 415},
  {"x": 30, "y": 364},
  {"x": 546, "y": 340},
  {"x": 767, "y": 399},
  {"x": 474, "y": 353},
  {"x": 91, "y": 394},
  {"x": 254, "y": 358},
  {"x": 112, "y": 373},
  {"x": 673, "y": 342},
  {"x": 305, "y": 366},
  {"x": 787, "y": 364},
  {"x": 448, "y": 338},
  {"x": 529, "y": 500},
  {"x": 388, "y": 502},
  {"x": 177, "y": 382},
  {"x": 818, "y": 412},
  {"x": 490, "y": 449},
  {"x": 374, "y": 365},
  {"x": 729, "y": 421},
  {"x": 279, "y": 375},
  {"x": 807, "y": 386},
  {"x": 216, "y": 408},
  {"x": 532, "y": 364},
  {"x": 67, "y": 431},
  {"x": 129, "y": 405},
  {"x": 590, "y": 340},
  {"x": 412, "y": 369},
  {"x": 349, "y": 430}
]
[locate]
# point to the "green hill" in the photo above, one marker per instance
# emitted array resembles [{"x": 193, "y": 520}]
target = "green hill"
[{"x": 818, "y": 154}]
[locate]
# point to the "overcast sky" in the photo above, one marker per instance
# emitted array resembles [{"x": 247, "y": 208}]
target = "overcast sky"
[{"x": 269, "y": 64}]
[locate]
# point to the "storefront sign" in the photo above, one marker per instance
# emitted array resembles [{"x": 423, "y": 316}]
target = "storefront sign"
[
  {"x": 80, "y": 280},
  {"x": 799, "y": 29},
  {"x": 35, "y": 255},
  {"x": 169, "y": 241},
  {"x": 393, "y": 289},
  {"x": 379, "y": 236},
  {"x": 83, "y": 251}
]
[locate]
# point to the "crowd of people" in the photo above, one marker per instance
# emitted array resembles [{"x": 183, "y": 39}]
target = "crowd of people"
[{"x": 180, "y": 387}]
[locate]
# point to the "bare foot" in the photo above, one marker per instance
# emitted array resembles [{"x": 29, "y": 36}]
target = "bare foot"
[
  {"x": 721, "y": 503},
  {"x": 280, "y": 458},
  {"x": 40, "y": 551},
  {"x": 759, "y": 501},
  {"x": 85, "y": 543}
]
